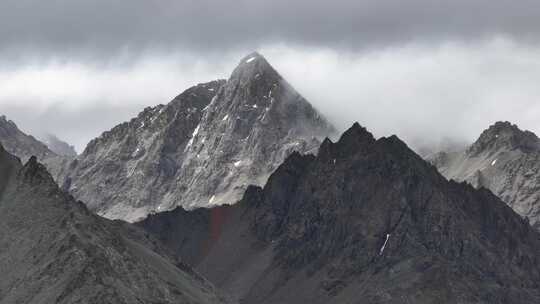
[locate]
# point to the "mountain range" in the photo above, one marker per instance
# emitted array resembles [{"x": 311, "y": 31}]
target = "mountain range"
[
  {"x": 235, "y": 192},
  {"x": 364, "y": 221},
  {"x": 505, "y": 160},
  {"x": 202, "y": 149}
]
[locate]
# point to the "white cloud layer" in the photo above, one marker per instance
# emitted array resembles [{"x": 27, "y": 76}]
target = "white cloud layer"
[{"x": 423, "y": 93}]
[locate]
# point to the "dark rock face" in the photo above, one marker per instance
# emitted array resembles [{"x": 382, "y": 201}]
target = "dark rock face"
[
  {"x": 365, "y": 221},
  {"x": 202, "y": 149},
  {"x": 505, "y": 160},
  {"x": 59, "y": 146},
  {"x": 53, "y": 250}
]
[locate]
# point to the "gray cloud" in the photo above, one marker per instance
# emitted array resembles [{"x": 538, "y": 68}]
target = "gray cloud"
[
  {"x": 99, "y": 28},
  {"x": 426, "y": 70},
  {"x": 428, "y": 95},
  {"x": 76, "y": 126}
]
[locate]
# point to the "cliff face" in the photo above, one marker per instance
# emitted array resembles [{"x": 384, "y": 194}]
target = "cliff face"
[
  {"x": 366, "y": 220},
  {"x": 53, "y": 250},
  {"x": 202, "y": 149},
  {"x": 505, "y": 160}
]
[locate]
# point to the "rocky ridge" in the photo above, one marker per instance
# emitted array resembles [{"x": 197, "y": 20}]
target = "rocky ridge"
[
  {"x": 53, "y": 250},
  {"x": 364, "y": 221}
]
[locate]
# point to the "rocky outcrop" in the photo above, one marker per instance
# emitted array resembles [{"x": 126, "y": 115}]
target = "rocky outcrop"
[
  {"x": 202, "y": 149},
  {"x": 59, "y": 146},
  {"x": 505, "y": 160},
  {"x": 364, "y": 221},
  {"x": 53, "y": 250}
]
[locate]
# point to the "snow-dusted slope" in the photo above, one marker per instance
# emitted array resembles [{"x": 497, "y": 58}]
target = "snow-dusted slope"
[
  {"x": 201, "y": 149},
  {"x": 256, "y": 120},
  {"x": 505, "y": 160}
]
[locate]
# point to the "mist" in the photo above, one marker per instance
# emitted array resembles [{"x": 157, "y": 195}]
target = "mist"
[{"x": 429, "y": 95}]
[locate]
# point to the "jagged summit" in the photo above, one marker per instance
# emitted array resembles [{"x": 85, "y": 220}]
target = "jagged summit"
[
  {"x": 353, "y": 139},
  {"x": 253, "y": 67},
  {"x": 505, "y": 135}
]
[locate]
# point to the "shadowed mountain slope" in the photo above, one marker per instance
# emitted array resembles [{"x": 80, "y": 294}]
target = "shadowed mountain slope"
[
  {"x": 365, "y": 221},
  {"x": 53, "y": 250}
]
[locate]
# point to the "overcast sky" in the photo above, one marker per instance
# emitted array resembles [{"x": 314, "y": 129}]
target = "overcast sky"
[{"x": 427, "y": 70}]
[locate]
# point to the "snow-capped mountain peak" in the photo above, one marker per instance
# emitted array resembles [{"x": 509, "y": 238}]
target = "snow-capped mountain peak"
[{"x": 201, "y": 149}]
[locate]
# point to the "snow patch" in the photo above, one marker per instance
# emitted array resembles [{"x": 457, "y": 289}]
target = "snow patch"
[
  {"x": 238, "y": 163},
  {"x": 254, "y": 106},
  {"x": 195, "y": 132},
  {"x": 211, "y": 200},
  {"x": 251, "y": 59},
  {"x": 493, "y": 162},
  {"x": 265, "y": 112},
  {"x": 384, "y": 245},
  {"x": 225, "y": 118}
]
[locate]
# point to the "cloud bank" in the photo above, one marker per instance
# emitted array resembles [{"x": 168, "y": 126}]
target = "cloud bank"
[
  {"x": 101, "y": 27},
  {"x": 428, "y": 71}
]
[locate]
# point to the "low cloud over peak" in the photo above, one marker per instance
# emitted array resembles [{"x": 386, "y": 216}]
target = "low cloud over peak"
[{"x": 424, "y": 70}]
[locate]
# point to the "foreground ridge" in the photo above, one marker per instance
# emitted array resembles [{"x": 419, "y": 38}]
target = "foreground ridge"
[
  {"x": 365, "y": 219},
  {"x": 53, "y": 250}
]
